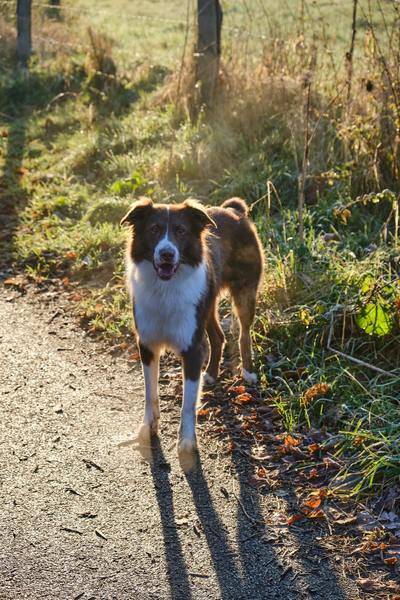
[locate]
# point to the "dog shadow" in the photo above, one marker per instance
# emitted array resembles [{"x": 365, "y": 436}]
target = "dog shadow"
[
  {"x": 250, "y": 559},
  {"x": 309, "y": 574}
]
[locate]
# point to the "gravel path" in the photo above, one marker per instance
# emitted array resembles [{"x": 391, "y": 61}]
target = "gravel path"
[{"x": 81, "y": 517}]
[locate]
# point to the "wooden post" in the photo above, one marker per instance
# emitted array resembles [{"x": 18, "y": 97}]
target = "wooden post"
[
  {"x": 54, "y": 9},
  {"x": 209, "y": 20},
  {"x": 24, "y": 28}
]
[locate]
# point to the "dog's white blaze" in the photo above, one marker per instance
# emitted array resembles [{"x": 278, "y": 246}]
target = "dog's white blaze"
[
  {"x": 165, "y": 311},
  {"x": 166, "y": 244},
  {"x": 191, "y": 393}
]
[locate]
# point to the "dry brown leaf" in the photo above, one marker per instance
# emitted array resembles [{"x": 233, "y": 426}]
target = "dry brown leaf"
[
  {"x": 315, "y": 514},
  {"x": 290, "y": 441},
  {"x": 261, "y": 472},
  {"x": 315, "y": 391},
  {"x": 314, "y": 447},
  {"x": 71, "y": 255},
  {"x": 239, "y": 389},
  {"x": 390, "y": 561},
  {"x": 313, "y": 502},
  {"x": 294, "y": 518},
  {"x": 203, "y": 412},
  {"x": 244, "y": 398},
  {"x": 230, "y": 446}
]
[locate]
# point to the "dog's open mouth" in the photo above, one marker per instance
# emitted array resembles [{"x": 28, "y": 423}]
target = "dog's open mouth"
[{"x": 166, "y": 270}]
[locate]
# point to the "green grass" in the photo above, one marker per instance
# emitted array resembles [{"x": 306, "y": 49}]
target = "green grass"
[{"x": 78, "y": 145}]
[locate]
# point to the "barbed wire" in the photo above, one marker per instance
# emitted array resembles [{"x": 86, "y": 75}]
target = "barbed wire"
[{"x": 234, "y": 29}]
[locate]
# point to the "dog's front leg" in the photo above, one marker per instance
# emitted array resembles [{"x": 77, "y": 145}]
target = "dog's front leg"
[
  {"x": 192, "y": 362},
  {"x": 150, "y": 364}
]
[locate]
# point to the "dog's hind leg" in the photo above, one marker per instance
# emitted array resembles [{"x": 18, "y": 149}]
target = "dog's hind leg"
[
  {"x": 216, "y": 338},
  {"x": 245, "y": 305},
  {"x": 150, "y": 364}
]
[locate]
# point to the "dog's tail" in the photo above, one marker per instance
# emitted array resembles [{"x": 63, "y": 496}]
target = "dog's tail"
[{"x": 238, "y": 205}]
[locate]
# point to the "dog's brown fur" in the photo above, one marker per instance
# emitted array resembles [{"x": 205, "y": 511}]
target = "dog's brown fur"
[{"x": 180, "y": 258}]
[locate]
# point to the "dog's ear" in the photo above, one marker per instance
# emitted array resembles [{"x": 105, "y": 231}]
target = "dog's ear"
[
  {"x": 137, "y": 211},
  {"x": 198, "y": 214}
]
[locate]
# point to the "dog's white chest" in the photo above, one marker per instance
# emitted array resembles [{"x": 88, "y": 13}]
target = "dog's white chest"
[{"x": 166, "y": 311}]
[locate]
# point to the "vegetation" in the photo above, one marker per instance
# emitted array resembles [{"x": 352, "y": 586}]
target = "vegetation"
[{"x": 306, "y": 133}]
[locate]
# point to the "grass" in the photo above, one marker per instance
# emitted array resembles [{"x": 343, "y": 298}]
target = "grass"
[{"x": 101, "y": 122}]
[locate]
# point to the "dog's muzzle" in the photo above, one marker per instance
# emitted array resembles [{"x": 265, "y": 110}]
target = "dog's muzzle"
[
  {"x": 166, "y": 270},
  {"x": 166, "y": 264}
]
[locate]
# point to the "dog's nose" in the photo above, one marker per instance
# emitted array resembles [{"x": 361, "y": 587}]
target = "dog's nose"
[{"x": 167, "y": 255}]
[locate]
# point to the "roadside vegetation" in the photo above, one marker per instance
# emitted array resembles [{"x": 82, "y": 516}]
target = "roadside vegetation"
[{"x": 306, "y": 127}]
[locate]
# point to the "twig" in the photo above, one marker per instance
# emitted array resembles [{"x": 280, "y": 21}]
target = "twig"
[
  {"x": 350, "y": 53},
  {"x": 90, "y": 463},
  {"x": 70, "y": 530},
  {"x": 358, "y": 361},
  {"x": 303, "y": 174},
  {"x": 59, "y": 96},
  {"x": 250, "y": 518}
]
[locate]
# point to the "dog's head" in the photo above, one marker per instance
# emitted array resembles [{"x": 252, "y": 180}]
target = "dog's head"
[{"x": 167, "y": 235}]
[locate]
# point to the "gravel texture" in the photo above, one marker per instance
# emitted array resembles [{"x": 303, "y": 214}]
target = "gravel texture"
[{"x": 81, "y": 517}]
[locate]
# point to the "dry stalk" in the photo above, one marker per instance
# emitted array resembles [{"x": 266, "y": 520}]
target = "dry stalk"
[
  {"x": 350, "y": 53},
  {"x": 303, "y": 173}
]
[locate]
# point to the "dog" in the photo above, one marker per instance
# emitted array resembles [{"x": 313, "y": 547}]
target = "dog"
[{"x": 179, "y": 259}]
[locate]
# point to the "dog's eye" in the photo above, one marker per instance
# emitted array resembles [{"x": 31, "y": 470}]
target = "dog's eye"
[
  {"x": 180, "y": 230},
  {"x": 155, "y": 229}
]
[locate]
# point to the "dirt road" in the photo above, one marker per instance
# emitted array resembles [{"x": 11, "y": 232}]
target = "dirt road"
[{"x": 81, "y": 517}]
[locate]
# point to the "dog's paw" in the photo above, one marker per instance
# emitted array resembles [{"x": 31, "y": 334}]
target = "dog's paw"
[
  {"x": 250, "y": 378},
  {"x": 207, "y": 379},
  {"x": 187, "y": 453},
  {"x": 143, "y": 434},
  {"x": 146, "y": 430}
]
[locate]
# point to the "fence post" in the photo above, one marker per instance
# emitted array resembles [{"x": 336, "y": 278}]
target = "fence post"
[
  {"x": 24, "y": 28},
  {"x": 209, "y": 21},
  {"x": 54, "y": 9}
]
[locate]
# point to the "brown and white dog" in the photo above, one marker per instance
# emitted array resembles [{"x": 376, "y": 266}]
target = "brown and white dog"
[{"x": 180, "y": 257}]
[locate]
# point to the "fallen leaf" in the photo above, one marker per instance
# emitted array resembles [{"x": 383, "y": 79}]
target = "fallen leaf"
[
  {"x": 314, "y": 448},
  {"x": 261, "y": 472},
  {"x": 346, "y": 521},
  {"x": 71, "y": 255},
  {"x": 230, "y": 446},
  {"x": 313, "y": 502},
  {"x": 390, "y": 561},
  {"x": 239, "y": 389},
  {"x": 19, "y": 281},
  {"x": 75, "y": 297},
  {"x": 203, "y": 412},
  {"x": 313, "y": 473},
  {"x": 244, "y": 398},
  {"x": 315, "y": 391},
  {"x": 294, "y": 518},
  {"x": 315, "y": 514},
  {"x": 290, "y": 441}
]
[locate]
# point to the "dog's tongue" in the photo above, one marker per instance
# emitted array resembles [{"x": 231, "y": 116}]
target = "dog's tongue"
[{"x": 166, "y": 270}]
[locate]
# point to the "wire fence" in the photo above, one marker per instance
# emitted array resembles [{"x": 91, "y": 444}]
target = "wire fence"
[{"x": 138, "y": 35}]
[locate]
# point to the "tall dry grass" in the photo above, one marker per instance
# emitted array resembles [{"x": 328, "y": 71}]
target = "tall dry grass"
[{"x": 336, "y": 110}]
